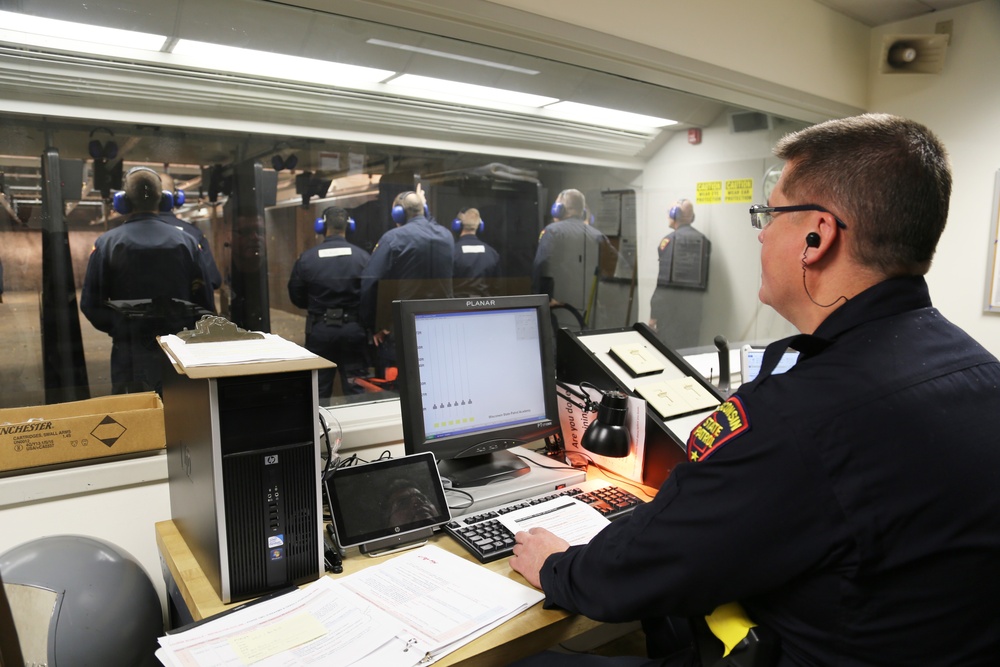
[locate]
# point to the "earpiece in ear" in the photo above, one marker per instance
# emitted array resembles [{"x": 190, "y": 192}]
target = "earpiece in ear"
[{"x": 812, "y": 240}]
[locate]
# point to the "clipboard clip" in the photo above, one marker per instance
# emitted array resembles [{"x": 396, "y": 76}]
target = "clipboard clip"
[{"x": 214, "y": 329}]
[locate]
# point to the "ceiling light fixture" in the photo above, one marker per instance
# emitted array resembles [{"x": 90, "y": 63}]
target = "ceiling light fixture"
[
  {"x": 452, "y": 56},
  {"x": 465, "y": 93},
  {"x": 53, "y": 33},
  {"x": 276, "y": 65},
  {"x": 625, "y": 120}
]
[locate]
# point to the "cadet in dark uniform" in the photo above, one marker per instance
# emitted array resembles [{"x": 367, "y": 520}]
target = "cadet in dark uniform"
[
  {"x": 210, "y": 268},
  {"x": 326, "y": 280},
  {"x": 143, "y": 259},
  {"x": 850, "y": 504},
  {"x": 568, "y": 255},
  {"x": 412, "y": 261},
  {"x": 678, "y": 300},
  {"x": 477, "y": 264}
]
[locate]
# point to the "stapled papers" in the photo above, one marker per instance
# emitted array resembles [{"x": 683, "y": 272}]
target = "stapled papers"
[{"x": 411, "y": 609}]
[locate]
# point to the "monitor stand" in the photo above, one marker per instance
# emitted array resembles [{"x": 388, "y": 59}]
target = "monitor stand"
[
  {"x": 482, "y": 469},
  {"x": 547, "y": 475}
]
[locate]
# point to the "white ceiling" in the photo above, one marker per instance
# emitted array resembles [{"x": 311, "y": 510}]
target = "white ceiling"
[{"x": 879, "y": 12}]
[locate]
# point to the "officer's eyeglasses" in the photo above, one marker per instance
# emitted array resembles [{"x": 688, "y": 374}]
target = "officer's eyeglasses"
[{"x": 762, "y": 216}]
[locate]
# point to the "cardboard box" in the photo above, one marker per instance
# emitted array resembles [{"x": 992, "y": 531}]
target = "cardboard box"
[{"x": 63, "y": 432}]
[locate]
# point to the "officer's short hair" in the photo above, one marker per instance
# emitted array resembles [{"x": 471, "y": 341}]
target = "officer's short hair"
[
  {"x": 336, "y": 218},
  {"x": 143, "y": 189},
  {"x": 470, "y": 219},
  {"x": 888, "y": 179},
  {"x": 575, "y": 203},
  {"x": 411, "y": 203}
]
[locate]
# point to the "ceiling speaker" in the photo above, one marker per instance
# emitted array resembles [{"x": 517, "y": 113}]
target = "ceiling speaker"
[{"x": 913, "y": 54}]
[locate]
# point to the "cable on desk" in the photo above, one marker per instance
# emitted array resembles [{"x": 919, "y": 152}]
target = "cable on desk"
[{"x": 460, "y": 492}]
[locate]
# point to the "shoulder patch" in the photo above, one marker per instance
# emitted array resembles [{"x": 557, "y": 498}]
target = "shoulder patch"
[
  {"x": 541, "y": 234},
  {"x": 728, "y": 421},
  {"x": 664, "y": 243}
]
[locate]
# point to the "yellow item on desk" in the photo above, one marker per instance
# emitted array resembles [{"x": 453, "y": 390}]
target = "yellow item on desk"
[{"x": 730, "y": 624}]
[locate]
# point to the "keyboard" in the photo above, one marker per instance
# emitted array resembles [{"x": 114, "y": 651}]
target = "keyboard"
[{"x": 487, "y": 539}]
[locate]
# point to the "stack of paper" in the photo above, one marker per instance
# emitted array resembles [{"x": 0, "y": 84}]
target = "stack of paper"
[
  {"x": 412, "y": 609},
  {"x": 268, "y": 348}
]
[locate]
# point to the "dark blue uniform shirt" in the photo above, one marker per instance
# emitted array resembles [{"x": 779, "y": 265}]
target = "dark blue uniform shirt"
[
  {"x": 145, "y": 258},
  {"x": 328, "y": 276},
  {"x": 418, "y": 260},
  {"x": 477, "y": 265},
  {"x": 475, "y": 259},
  {"x": 326, "y": 281},
  {"x": 850, "y": 504}
]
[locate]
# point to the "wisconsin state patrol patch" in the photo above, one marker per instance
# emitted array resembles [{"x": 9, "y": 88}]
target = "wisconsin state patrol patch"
[
  {"x": 728, "y": 421},
  {"x": 664, "y": 243}
]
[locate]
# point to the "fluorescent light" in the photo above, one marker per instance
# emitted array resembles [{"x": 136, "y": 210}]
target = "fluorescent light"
[
  {"x": 276, "y": 65},
  {"x": 586, "y": 113},
  {"x": 452, "y": 56},
  {"x": 465, "y": 93},
  {"x": 76, "y": 32}
]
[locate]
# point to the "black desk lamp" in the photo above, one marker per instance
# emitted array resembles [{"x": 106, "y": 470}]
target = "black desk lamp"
[{"x": 607, "y": 435}]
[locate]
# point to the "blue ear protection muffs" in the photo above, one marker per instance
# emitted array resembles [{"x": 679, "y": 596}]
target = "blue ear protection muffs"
[
  {"x": 456, "y": 224},
  {"x": 320, "y": 226},
  {"x": 399, "y": 213},
  {"x": 558, "y": 210},
  {"x": 121, "y": 203}
]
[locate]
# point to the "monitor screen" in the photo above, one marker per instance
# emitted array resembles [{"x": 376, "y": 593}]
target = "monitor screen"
[
  {"x": 476, "y": 377},
  {"x": 751, "y": 359}
]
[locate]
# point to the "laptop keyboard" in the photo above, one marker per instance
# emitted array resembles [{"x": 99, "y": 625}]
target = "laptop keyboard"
[{"x": 487, "y": 539}]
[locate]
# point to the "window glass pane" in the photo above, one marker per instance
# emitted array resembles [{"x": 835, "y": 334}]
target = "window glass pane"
[{"x": 265, "y": 115}]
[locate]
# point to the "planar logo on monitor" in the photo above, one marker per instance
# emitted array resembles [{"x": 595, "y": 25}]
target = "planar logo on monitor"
[{"x": 480, "y": 303}]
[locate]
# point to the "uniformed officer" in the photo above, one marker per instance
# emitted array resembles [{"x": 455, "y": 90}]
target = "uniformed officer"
[
  {"x": 412, "y": 261},
  {"x": 850, "y": 504},
  {"x": 477, "y": 264},
  {"x": 134, "y": 274},
  {"x": 210, "y": 268},
  {"x": 678, "y": 300},
  {"x": 326, "y": 281},
  {"x": 568, "y": 256}
]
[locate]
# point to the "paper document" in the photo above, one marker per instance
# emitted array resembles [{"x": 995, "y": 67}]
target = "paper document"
[
  {"x": 444, "y": 600},
  {"x": 572, "y": 520},
  {"x": 269, "y": 348},
  {"x": 411, "y": 609},
  {"x": 322, "y": 624}
]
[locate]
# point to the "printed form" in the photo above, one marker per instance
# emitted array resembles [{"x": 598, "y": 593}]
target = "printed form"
[
  {"x": 571, "y": 519},
  {"x": 412, "y": 609}
]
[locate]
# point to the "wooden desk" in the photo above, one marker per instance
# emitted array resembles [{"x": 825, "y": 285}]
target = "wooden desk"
[{"x": 527, "y": 633}]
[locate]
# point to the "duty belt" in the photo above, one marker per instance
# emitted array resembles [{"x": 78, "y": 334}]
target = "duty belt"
[{"x": 339, "y": 316}]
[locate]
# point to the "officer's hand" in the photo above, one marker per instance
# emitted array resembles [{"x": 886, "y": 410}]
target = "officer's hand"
[
  {"x": 420, "y": 193},
  {"x": 530, "y": 551},
  {"x": 652, "y": 323},
  {"x": 379, "y": 337}
]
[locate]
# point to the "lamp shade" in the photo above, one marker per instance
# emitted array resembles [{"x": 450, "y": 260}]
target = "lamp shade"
[{"x": 608, "y": 436}]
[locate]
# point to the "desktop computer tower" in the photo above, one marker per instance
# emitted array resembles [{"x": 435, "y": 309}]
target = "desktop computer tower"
[{"x": 244, "y": 468}]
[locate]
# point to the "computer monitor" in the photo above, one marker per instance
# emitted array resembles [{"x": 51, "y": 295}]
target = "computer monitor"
[{"x": 476, "y": 377}]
